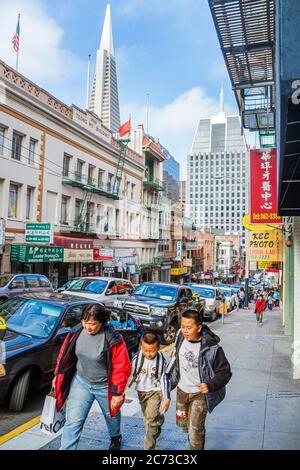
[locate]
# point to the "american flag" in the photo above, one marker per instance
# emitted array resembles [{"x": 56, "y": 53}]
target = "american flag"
[{"x": 16, "y": 39}]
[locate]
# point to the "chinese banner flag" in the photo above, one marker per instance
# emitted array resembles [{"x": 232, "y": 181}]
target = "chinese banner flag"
[
  {"x": 263, "y": 177},
  {"x": 125, "y": 128}
]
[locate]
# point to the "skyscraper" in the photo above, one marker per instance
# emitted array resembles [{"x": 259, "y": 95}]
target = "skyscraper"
[
  {"x": 217, "y": 174},
  {"x": 104, "y": 98}
]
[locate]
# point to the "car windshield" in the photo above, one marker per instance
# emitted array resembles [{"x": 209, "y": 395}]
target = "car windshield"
[
  {"x": 227, "y": 292},
  {"x": 157, "y": 291},
  {"x": 70, "y": 283},
  {"x": 30, "y": 317},
  {"x": 204, "y": 292},
  {"x": 92, "y": 286},
  {"x": 4, "y": 280}
]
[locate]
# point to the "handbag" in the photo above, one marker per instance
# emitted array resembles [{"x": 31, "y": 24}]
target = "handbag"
[{"x": 52, "y": 420}]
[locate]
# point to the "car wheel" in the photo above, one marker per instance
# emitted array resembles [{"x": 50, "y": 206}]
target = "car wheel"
[
  {"x": 19, "y": 392},
  {"x": 169, "y": 335}
]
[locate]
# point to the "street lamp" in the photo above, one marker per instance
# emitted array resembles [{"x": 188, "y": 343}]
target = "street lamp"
[{"x": 246, "y": 184}]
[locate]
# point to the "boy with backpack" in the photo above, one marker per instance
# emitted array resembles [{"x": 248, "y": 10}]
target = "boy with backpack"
[
  {"x": 148, "y": 373},
  {"x": 200, "y": 371}
]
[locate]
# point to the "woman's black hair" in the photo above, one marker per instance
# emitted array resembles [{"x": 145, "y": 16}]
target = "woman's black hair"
[
  {"x": 193, "y": 314},
  {"x": 96, "y": 312}
]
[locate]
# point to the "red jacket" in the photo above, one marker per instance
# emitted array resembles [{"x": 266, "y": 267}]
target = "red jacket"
[
  {"x": 119, "y": 367},
  {"x": 260, "y": 306}
]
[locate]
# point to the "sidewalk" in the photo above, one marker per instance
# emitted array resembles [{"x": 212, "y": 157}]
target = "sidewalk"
[{"x": 261, "y": 409}]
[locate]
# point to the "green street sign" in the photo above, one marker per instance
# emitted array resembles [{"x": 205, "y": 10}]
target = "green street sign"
[
  {"x": 39, "y": 233},
  {"x": 36, "y": 254}
]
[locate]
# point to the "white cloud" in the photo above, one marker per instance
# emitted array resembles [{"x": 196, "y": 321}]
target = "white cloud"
[
  {"x": 175, "y": 123},
  {"x": 183, "y": 11},
  {"x": 42, "y": 57}
]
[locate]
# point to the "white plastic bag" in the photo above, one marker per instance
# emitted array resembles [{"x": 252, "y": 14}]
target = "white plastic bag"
[{"x": 51, "y": 419}]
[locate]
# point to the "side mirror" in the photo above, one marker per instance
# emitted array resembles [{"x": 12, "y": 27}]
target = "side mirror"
[{"x": 108, "y": 292}]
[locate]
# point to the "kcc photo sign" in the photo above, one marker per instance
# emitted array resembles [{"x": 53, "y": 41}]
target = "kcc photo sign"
[{"x": 265, "y": 246}]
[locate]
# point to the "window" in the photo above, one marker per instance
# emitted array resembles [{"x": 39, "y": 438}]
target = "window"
[
  {"x": 66, "y": 165},
  {"x": 64, "y": 210},
  {"x": 100, "y": 178},
  {"x": 44, "y": 281},
  {"x": 18, "y": 283},
  {"x": 72, "y": 317},
  {"x": 109, "y": 182},
  {"x": 13, "y": 201},
  {"x": 77, "y": 210},
  {"x": 16, "y": 146},
  {"x": 133, "y": 186},
  {"x": 91, "y": 175},
  {"x": 79, "y": 170},
  {"x": 1, "y": 141},
  {"x": 29, "y": 203},
  {"x": 32, "y": 281},
  {"x": 32, "y": 145}
]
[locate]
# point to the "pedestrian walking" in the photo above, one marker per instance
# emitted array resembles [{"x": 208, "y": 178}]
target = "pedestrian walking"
[
  {"x": 242, "y": 298},
  {"x": 260, "y": 306},
  {"x": 93, "y": 364},
  {"x": 200, "y": 371},
  {"x": 270, "y": 301},
  {"x": 151, "y": 383},
  {"x": 276, "y": 297}
]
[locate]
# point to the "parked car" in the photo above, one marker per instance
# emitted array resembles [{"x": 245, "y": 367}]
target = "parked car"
[
  {"x": 100, "y": 289},
  {"x": 36, "y": 326},
  {"x": 159, "y": 306},
  {"x": 212, "y": 295},
  {"x": 12, "y": 285}
]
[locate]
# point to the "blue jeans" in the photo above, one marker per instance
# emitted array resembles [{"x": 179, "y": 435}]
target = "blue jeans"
[{"x": 81, "y": 398}]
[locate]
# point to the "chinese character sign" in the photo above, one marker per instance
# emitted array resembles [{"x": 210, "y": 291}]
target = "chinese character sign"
[{"x": 264, "y": 187}]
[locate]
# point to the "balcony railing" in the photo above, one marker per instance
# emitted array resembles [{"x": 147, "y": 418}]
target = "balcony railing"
[
  {"x": 76, "y": 226},
  {"x": 155, "y": 183},
  {"x": 87, "y": 183}
]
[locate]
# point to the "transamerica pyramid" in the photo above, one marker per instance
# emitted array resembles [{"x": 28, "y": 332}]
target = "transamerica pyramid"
[{"x": 104, "y": 98}]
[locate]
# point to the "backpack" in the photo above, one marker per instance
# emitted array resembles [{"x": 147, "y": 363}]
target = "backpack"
[{"x": 160, "y": 366}]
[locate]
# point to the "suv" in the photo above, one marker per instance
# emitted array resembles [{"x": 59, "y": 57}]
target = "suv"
[
  {"x": 12, "y": 285},
  {"x": 159, "y": 306}
]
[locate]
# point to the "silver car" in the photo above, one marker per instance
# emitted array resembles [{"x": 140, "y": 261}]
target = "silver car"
[
  {"x": 12, "y": 285},
  {"x": 101, "y": 289}
]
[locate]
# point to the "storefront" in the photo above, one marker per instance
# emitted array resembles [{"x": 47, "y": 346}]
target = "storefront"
[
  {"x": 36, "y": 259},
  {"x": 78, "y": 259},
  {"x": 165, "y": 272}
]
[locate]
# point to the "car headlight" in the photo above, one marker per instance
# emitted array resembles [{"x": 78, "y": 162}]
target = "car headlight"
[
  {"x": 2, "y": 371},
  {"x": 162, "y": 312},
  {"x": 119, "y": 303}
]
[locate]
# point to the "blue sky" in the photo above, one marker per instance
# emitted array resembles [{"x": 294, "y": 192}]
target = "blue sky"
[{"x": 167, "y": 48}]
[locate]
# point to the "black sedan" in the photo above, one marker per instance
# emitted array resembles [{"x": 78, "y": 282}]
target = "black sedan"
[{"x": 37, "y": 325}]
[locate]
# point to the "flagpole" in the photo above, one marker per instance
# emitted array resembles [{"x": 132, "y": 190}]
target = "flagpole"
[{"x": 17, "y": 64}]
